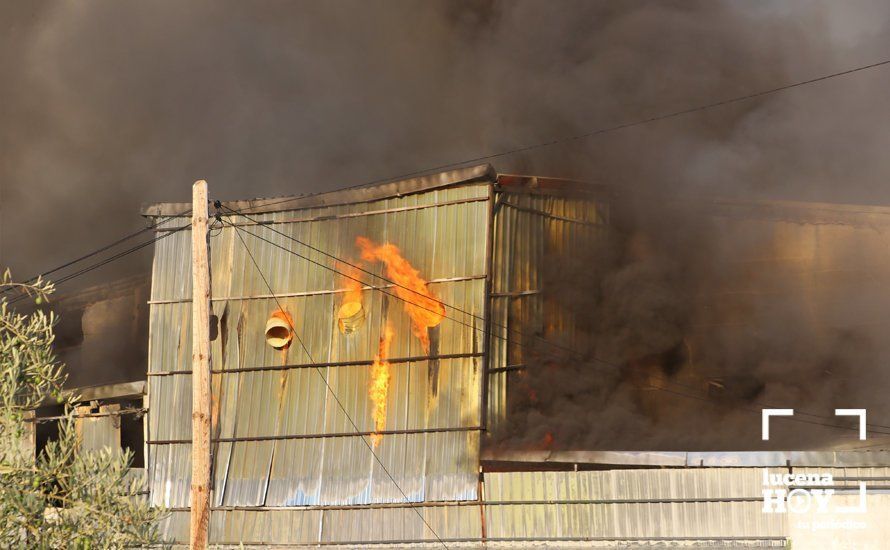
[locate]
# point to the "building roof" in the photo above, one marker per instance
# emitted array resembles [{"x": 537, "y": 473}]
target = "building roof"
[
  {"x": 775, "y": 210},
  {"x": 392, "y": 189},
  {"x": 348, "y": 195}
]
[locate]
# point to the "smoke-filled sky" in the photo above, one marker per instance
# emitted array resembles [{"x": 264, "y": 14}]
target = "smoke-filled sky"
[{"x": 107, "y": 105}]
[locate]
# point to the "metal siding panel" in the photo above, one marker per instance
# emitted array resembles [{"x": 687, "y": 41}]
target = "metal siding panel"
[
  {"x": 173, "y": 395},
  {"x": 100, "y": 432},
  {"x": 169, "y": 475},
  {"x": 442, "y": 242},
  {"x": 399, "y": 524},
  {"x": 523, "y": 242},
  {"x": 293, "y": 526},
  {"x": 174, "y": 527},
  {"x": 627, "y": 520}
]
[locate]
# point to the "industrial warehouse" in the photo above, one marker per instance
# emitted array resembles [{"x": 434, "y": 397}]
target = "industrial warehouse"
[
  {"x": 467, "y": 274},
  {"x": 365, "y": 347}
]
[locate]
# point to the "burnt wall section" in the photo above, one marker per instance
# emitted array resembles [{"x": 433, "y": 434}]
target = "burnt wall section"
[
  {"x": 102, "y": 332},
  {"x": 534, "y": 227},
  {"x": 671, "y": 328}
]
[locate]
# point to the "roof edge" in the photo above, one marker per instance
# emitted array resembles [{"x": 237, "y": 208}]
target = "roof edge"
[
  {"x": 349, "y": 195},
  {"x": 829, "y": 458}
]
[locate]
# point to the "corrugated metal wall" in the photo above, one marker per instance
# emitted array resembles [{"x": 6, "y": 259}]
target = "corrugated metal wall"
[
  {"x": 668, "y": 507},
  {"x": 629, "y": 504},
  {"x": 820, "y": 265},
  {"x": 96, "y": 433},
  {"x": 529, "y": 229},
  {"x": 287, "y": 469},
  {"x": 303, "y": 456}
]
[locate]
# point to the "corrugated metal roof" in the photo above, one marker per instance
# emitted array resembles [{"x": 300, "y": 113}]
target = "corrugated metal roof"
[{"x": 372, "y": 192}]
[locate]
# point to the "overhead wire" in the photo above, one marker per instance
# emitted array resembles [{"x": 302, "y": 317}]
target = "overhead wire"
[
  {"x": 100, "y": 250},
  {"x": 106, "y": 261},
  {"x": 334, "y": 394},
  {"x": 604, "y": 130},
  {"x": 526, "y": 148},
  {"x": 585, "y": 135},
  {"x": 480, "y": 158}
]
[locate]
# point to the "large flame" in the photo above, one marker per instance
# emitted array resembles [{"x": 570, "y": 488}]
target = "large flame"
[
  {"x": 352, "y": 280},
  {"x": 423, "y": 308},
  {"x": 379, "y": 386}
]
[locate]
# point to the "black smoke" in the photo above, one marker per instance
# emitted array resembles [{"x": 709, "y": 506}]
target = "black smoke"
[
  {"x": 691, "y": 317},
  {"x": 107, "y": 105}
]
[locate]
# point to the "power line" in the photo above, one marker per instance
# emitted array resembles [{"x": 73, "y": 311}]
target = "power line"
[
  {"x": 99, "y": 250},
  {"x": 549, "y": 143},
  {"x": 108, "y": 260},
  {"x": 334, "y": 394},
  {"x": 605, "y": 130},
  {"x": 557, "y": 346}
]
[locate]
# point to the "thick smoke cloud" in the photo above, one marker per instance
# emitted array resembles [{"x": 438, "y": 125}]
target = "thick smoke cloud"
[
  {"x": 107, "y": 105},
  {"x": 690, "y": 322}
]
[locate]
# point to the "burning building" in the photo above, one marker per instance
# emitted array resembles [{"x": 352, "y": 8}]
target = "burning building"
[{"x": 431, "y": 359}]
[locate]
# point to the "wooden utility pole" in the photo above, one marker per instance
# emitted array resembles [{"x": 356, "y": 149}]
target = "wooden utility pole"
[{"x": 200, "y": 490}]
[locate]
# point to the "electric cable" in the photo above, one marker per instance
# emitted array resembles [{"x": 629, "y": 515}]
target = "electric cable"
[
  {"x": 604, "y": 130},
  {"x": 105, "y": 261},
  {"x": 99, "y": 250}
]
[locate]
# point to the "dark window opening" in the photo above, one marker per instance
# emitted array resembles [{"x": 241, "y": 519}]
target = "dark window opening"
[
  {"x": 47, "y": 430},
  {"x": 130, "y": 421},
  {"x": 132, "y": 434},
  {"x": 69, "y": 330}
]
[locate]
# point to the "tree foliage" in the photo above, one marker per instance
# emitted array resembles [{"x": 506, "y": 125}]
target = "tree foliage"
[{"x": 62, "y": 498}]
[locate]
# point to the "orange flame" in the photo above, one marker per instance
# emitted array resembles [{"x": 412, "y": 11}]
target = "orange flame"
[
  {"x": 352, "y": 282},
  {"x": 379, "y": 386},
  {"x": 547, "y": 441},
  {"x": 420, "y": 304}
]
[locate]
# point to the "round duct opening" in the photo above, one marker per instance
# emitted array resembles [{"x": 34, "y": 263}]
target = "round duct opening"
[
  {"x": 278, "y": 330},
  {"x": 350, "y": 317}
]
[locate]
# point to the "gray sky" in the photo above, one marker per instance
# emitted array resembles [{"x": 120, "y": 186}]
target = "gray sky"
[{"x": 106, "y": 105}]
